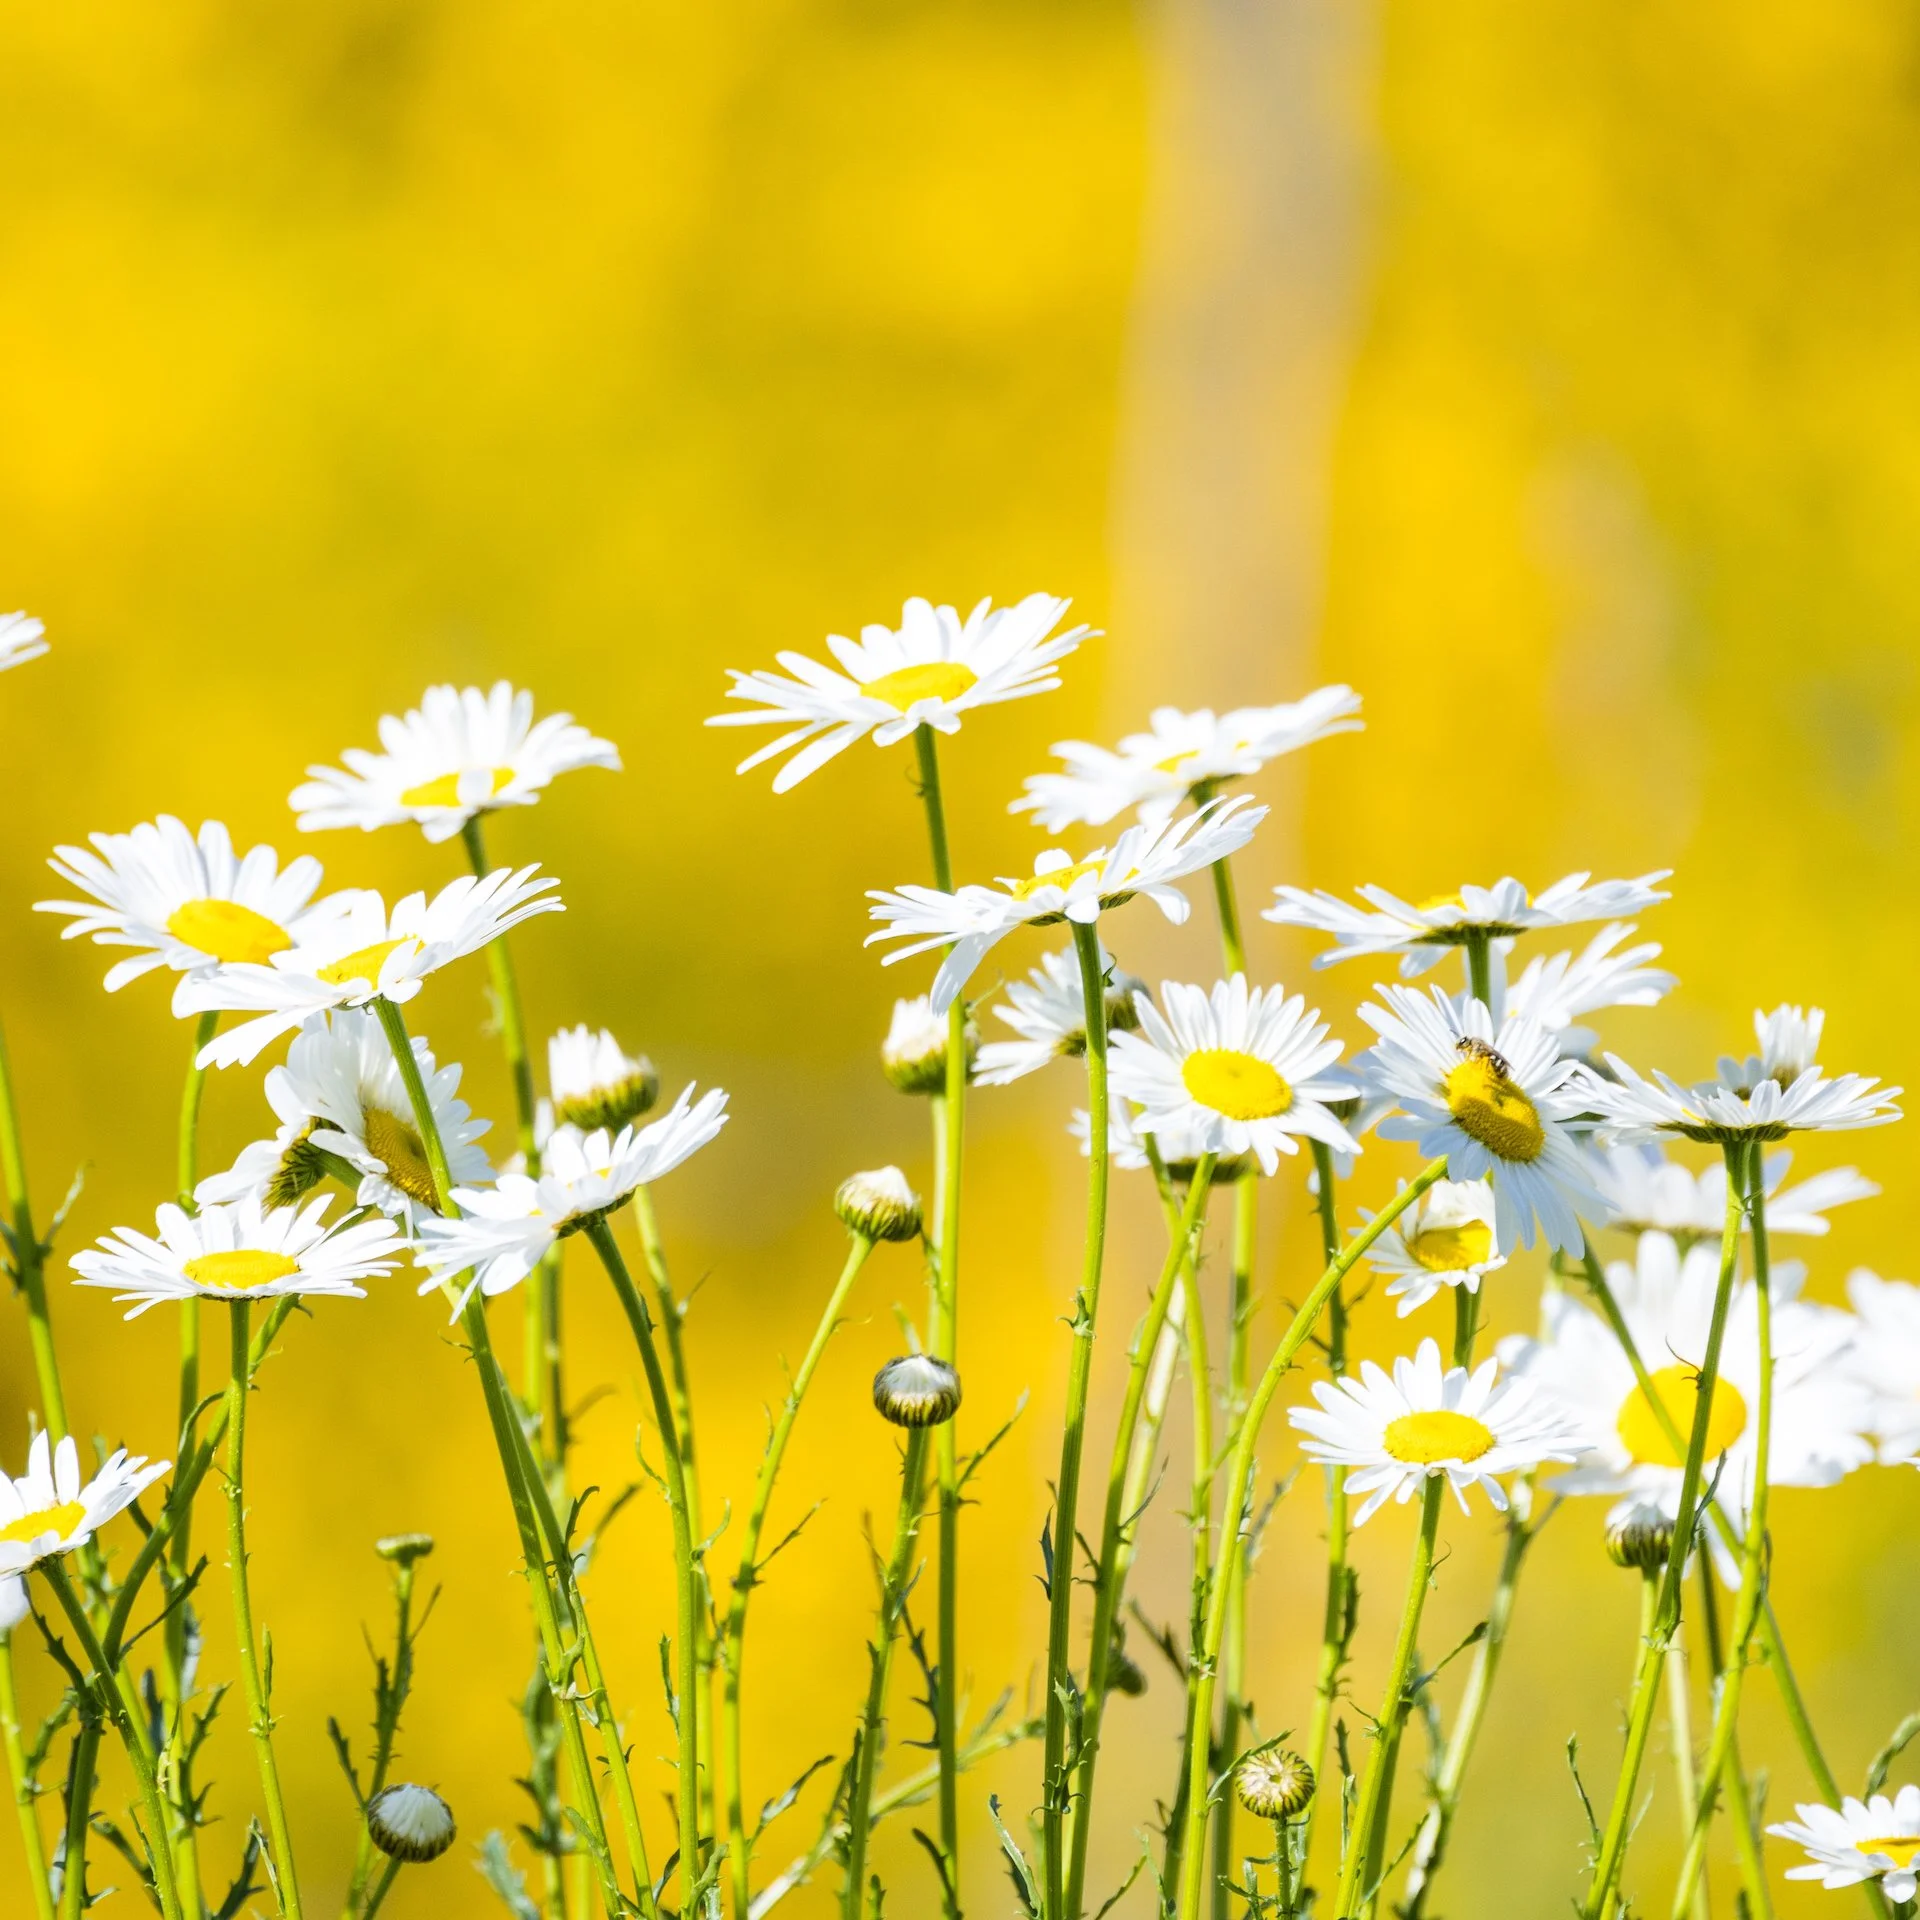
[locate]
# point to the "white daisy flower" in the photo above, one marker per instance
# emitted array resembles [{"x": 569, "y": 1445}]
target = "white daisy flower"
[
  {"x": 1238, "y": 1070},
  {"x": 507, "y": 1229},
  {"x": 1821, "y": 1415},
  {"x": 241, "y": 1252},
  {"x": 1421, "y": 1423},
  {"x": 1180, "y": 1146},
  {"x": 595, "y": 1082},
  {"x": 341, "y": 1094},
  {"x": 1789, "y": 1044},
  {"x": 188, "y": 902},
  {"x": 931, "y": 672},
  {"x": 49, "y": 1510},
  {"x": 1875, "y": 1840},
  {"x": 1444, "y": 1239},
  {"x": 22, "y": 638},
  {"x": 1885, "y": 1358},
  {"x": 1049, "y": 1012},
  {"x": 15, "y": 1604},
  {"x": 1555, "y": 990},
  {"x": 1144, "y": 860},
  {"x": 461, "y": 752},
  {"x": 366, "y": 954},
  {"x": 1422, "y": 934},
  {"x": 1496, "y": 1102},
  {"x": 914, "y": 1054},
  {"x": 1647, "y": 1193},
  {"x": 1156, "y": 770}
]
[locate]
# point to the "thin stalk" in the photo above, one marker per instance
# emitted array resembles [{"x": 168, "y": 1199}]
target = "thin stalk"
[
  {"x": 893, "y": 1599},
  {"x": 29, "y": 1257},
  {"x": 1480, "y": 966},
  {"x": 25, "y": 1799},
  {"x": 74, "y": 1899},
  {"x": 1680, "y": 1737},
  {"x": 381, "y": 1889},
  {"x": 384, "y": 1735},
  {"x": 1073, "y": 1431},
  {"x": 1199, "y": 1505},
  {"x": 734, "y": 1634},
  {"x": 1239, "y": 1487}
]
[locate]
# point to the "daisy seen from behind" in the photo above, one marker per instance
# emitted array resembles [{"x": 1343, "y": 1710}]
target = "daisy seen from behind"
[
  {"x": 461, "y": 753},
  {"x": 1394, "y": 1432},
  {"x": 22, "y": 638},
  {"x": 594, "y": 1082},
  {"x": 1646, "y": 1192},
  {"x": 1876, "y": 1839},
  {"x": 931, "y": 671},
  {"x": 1444, "y": 1239},
  {"x": 1048, "y": 1009},
  {"x": 50, "y": 1510}
]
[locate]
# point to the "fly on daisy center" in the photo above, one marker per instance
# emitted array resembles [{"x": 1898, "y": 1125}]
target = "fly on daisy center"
[
  {"x": 1425, "y": 1439},
  {"x": 1490, "y": 1107},
  {"x": 233, "y": 934},
  {"x": 1678, "y": 1390},
  {"x": 933, "y": 680},
  {"x": 1240, "y": 1085}
]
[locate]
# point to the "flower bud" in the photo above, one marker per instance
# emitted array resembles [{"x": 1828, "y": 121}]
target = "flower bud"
[
  {"x": 917, "y": 1391},
  {"x": 595, "y": 1084},
  {"x": 1274, "y": 1784},
  {"x": 1641, "y": 1538},
  {"x": 914, "y": 1054},
  {"x": 404, "y": 1548},
  {"x": 879, "y": 1205},
  {"x": 410, "y": 1823}
]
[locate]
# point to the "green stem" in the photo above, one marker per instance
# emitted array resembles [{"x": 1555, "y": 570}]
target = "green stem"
[
  {"x": 382, "y": 1889},
  {"x": 1199, "y": 1514},
  {"x": 1680, "y": 1733},
  {"x": 29, "y": 1256},
  {"x": 1226, "y": 899},
  {"x": 74, "y": 1899},
  {"x": 385, "y": 1731},
  {"x": 1239, "y": 1490},
  {"x": 25, "y": 1798},
  {"x": 1480, "y": 966}
]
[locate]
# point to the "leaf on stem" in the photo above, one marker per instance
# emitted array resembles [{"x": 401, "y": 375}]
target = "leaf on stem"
[
  {"x": 499, "y": 1872},
  {"x": 1026, "y": 1888}
]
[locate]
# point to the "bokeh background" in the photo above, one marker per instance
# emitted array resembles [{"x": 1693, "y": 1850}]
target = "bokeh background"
[{"x": 1547, "y": 372}]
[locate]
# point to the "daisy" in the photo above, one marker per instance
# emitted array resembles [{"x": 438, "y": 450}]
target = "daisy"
[
  {"x": 241, "y": 1252},
  {"x": 1444, "y": 1239},
  {"x": 509, "y": 1228},
  {"x": 50, "y": 1511},
  {"x": 1422, "y": 934},
  {"x": 460, "y": 753},
  {"x": 1496, "y": 1102},
  {"x": 1556, "y": 989},
  {"x": 1182, "y": 754},
  {"x": 1049, "y": 1012},
  {"x": 913, "y": 1056},
  {"x": 1235, "y": 1071},
  {"x": 1144, "y": 860},
  {"x": 1180, "y": 1147},
  {"x": 595, "y": 1082},
  {"x": 366, "y": 954},
  {"x": 1648, "y": 1193},
  {"x": 1886, "y": 1360},
  {"x": 931, "y": 672},
  {"x": 1879, "y": 1840},
  {"x": 340, "y": 1094},
  {"x": 1789, "y": 1044},
  {"x": 21, "y": 639},
  {"x": 1398, "y": 1431},
  {"x": 189, "y": 903}
]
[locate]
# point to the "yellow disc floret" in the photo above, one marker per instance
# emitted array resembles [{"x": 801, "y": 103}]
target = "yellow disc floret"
[
  {"x": 1678, "y": 1389},
  {"x": 364, "y": 963},
  {"x": 1452, "y": 1249},
  {"x": 1053, "y": 877},
  {"x": 444, "y": 789},
  {"x": 233, "y": 934},
  {"x": 1900, "y": 1848},
  {"x": 1424, "y": 1439},
  {"x": 1491, "y": 1108},
  {"x": 397, "y": 1145},
  {"x": 936, "y": 680},
  {"x": 1240, "y": 1085},
  {"x": 30, "y": 1526},
  {"x": 240, "y": 1269}
]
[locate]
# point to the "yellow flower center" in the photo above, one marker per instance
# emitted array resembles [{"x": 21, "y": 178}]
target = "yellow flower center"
[
  {"x": 240, "y": 1269},
  {"x": 1235, "y": 1083},
  {"x": 1420, "y": 1439},
  {"x": 1435, "y": 902},
  {"x": 30, "y": 1526},
  {"x": 1055, "y": 877},
  {"x": 1492, "y": 1110},
  {"x": 936, "y": 680},
  {"x": 1900, "y": 1848},
  {"x": 230, "y": 932},
  {"x": 1175, "y": 761},
  {"x": 364, "y": 963},
  {"x": 398, "y": 1147},
  {"x": 1452, "y": 1249},
  {"x": 444, "y": 790},
  {"x": 1678, "y": 1388}
]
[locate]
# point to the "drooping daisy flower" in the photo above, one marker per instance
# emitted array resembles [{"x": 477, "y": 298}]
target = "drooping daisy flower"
[
  {"x": 1646, "y": 1192},
  {"x": 1397, "y": 1431},
  {"x": 595, "y": 1082},
  {"x": 914, "y": 1054},
  {"x": 1555, "y": 990},
  {"x": 241, "y": 1252},
  {"x": 1821, "y": 1417},
  {"x": 1182, "y": 753},
  {"x": 1421, "y": 935},
  {"x": 1444, "y": 1239},
  {"x": 507, "y": 1229},
  {"x": 1875, "y": 1840},
  {"x": 189, "y": 903},
  {"x": 1144, "y": 860},
  {"x": 49, "y": 1510},
  {"x": 461, "y": 752},
  {"x": 1496, "y": 1103},
  {"x": 340, "y": 1094},
  {"x": 366, "y": 954},
  {"x": 1885, "y": 1358},
  {"x": 1049, "y": 1012},
  {"x": 930, "y": 672},
  {"x": 1236, "y": 1070},
  {"x": 21, "y": 639}
]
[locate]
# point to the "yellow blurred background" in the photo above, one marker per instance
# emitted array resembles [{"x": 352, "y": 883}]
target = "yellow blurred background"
[{"x": 1547, "y": 372}]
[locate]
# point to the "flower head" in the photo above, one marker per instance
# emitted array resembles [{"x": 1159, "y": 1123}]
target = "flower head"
[
  {"x": 460, "y": 753},
  {"x": 879, "y": 1205},
  {"x": 1878, "y": 1839},
  {"x": 22, "y": 638},
  {"x": 595, "y": 1082},
  {"x": 1789, "y": 1040},
  {"x": 1274, "y": 1784},
  {"x": 1555, "y": 990},
  {"x": 916, "y": 1391},
  {"x": 931, "y": 671},
  {"x": 914, "y": 1054},
  {"x": 1443, "y": 1239},
  {"x": 1178, "y": 1144},
  {"x": 1885, "y": 1359},
  {"x": 410, "y": 1823},
  {"x": 1048, "y": 1009},
  {"x": 49, "y": 1510},
  {"x": 1646, "y": 1192}
]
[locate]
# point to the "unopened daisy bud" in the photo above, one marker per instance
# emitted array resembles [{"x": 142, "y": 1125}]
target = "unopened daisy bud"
[
  {"x": 596, "y": 1084},
  {"x": 404, "y": 1548},
  {"x": 879, "y": 1205},
  {"x": 914, "y": 1054},
  {"x": 1642, "y": 1538},
  {"x": 917, "y": 1391},
  {"x": 1274, "y": 1784},
  {"x": 410, "y": 1823}
]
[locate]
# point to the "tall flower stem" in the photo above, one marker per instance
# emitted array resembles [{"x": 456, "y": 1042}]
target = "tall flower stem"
[
  {"x": 1086, "y": 1313},
  {"x": 944, "y": 1342},
  {"x": 733, "y": 1634},
  {"x": 1680, "y": 1737},
  {"x": 1206, "y": 1657},
  {"x": 687, "y": 1590},
  {"x": 1199, "y": 1514},
  {"x": 29, "y": 1256},
  {"x": 259, "y": 1707},
  {"x": 893, "y": 1600},
  {"x": 1354, "y": 1890},
  {"x": 32, "y": 1842}
]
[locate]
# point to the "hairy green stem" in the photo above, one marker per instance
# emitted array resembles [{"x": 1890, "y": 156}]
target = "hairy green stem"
[
  {"x": 385, "y": 1731},
  {"x": 25, "y": 1798},
  {"x": 29, "y": 1256}
]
